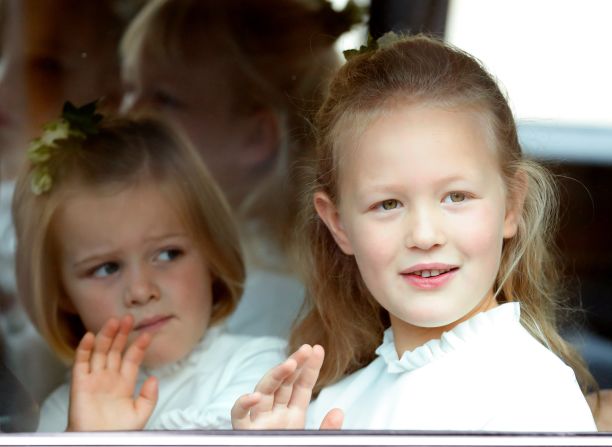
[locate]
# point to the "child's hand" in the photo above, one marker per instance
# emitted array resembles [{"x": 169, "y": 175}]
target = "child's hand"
[
  {"x": 282, "y": 396},
  {"x": 104, "y": 381}
]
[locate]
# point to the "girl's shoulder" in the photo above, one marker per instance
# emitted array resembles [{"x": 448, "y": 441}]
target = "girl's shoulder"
[
  {"x": 223, "y": 343},
  {"x": 219, "y": 352},
  {"x": 245, "y": 349},
  {"x": 224, "y": 351},
  {"x": 539, "y": 389}
]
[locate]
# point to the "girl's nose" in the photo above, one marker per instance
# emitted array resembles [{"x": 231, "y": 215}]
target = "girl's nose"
[
  {"x": 425, "y": 230},
  {"x": 141, "y": 289}
]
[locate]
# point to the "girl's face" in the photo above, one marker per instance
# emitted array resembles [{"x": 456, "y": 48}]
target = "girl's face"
[
  {"x": 423, "y": 210},
  {"x": 67, "y": 55},
  {"x": 52, "y": 52},
  {"x": 129, "y": 252}
]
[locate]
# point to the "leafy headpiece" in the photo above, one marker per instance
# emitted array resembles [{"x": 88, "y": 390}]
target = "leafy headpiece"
[
  {"x": 70, "y": 130},
  {"x": 372, "y": 44}
]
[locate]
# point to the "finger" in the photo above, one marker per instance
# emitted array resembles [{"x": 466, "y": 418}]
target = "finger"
[
  {"x": 82, "y": 355},
  {"x": 134, "y": 356},
  {"x": 103, "y": 342},
  {"x": 241, "y": 419},
  {"x": 285, "y": 390},
  {"x": 270, "y": 383},
  {"x": 113, "y": 361},
  {"x": 302, "y": 390},
  {"x": 333, "y": 420},
  {"x": 278, "y": 383},
  {"x": 147, "y": 399},
  {"x": 302, "y": 355}
]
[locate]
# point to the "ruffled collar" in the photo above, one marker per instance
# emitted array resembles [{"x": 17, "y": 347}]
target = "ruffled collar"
[
  {"x": 192, "y": 359},
  {"x": 507, "y": 314}
]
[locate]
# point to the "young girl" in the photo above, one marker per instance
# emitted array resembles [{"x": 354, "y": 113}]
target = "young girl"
[
  {"x": 431, "y": 280},
  {"x": 121, "y": 218}
]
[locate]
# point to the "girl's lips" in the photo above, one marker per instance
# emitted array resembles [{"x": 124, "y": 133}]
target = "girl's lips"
[
  {"x": 152, "y": 324},
  {"x": 431, "y": 282}
]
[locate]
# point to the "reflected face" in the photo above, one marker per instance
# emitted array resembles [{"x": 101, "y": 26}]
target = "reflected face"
[
  {"x": 129, "y": 252},
  {"x": 198, "y": 99},
  {"x": 423, "y": 211},
  {"x": 53, "y": 52},
  {"x": 69, "y": 54}
]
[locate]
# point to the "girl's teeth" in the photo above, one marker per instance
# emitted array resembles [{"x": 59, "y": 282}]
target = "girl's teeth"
[{"x": 429, "y": 273}]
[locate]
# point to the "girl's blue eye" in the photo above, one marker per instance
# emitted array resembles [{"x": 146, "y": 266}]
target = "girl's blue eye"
[
  {"x": 105, "y": 270},
  {"x": 455, "y": 197},
  {"x": 169, "y": 255},
  {"x": 389, "y": 204}
]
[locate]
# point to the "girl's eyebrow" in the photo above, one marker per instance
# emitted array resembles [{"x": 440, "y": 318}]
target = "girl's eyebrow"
[
  {"x": 103, "y": 254},
  {"x": 93, "y": 259},
  {"x": 166, "y": 236},
  {"x": 400, "y": 186}
]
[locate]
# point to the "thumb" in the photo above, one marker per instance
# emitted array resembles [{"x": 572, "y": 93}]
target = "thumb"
[{"x": 333, "y": 420}]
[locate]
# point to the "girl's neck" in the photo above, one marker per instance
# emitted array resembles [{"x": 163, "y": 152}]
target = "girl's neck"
[{"x": 409, "y": 337}]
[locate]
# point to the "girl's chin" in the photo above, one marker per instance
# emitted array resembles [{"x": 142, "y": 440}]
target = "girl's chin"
[{"x": 428, "y": 317}]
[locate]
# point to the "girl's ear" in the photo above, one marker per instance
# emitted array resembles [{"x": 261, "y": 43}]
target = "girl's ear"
[
  {"x": 515, "y": 203},
  {"x": 328, "y": 213},
  {"x": 261, "y": 135}
]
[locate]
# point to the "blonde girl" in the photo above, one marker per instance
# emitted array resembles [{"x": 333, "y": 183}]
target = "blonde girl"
[
  {"x": 431, "y": 281},
  {"x": 124, "y": 239},
  {"x": 243, "y": 78}
]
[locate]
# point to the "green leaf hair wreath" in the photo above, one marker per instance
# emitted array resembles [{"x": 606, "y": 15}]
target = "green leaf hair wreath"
[{"x": 74, "y": 125}]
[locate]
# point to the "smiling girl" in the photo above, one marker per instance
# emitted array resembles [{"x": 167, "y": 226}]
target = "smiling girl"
[
  {"x": 124, "y": 241},
  {"x": 431, "y": 282}
]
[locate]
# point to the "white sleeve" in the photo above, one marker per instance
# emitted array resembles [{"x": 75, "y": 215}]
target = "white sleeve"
[
  {"x": 238, "y": 376},
  {"x": 54, "y": 411}
]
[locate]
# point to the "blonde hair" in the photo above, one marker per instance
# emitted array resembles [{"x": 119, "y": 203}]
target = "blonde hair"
[
  {"x": 343, "y": 316},
  {"x": 279, "y": 54},
  {"x": 124, "y": 152}
]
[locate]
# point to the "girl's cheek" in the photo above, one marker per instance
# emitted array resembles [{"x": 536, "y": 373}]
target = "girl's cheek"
[
  {"x": 368, "y": 234},
  {"x": 482, "y": 230}
]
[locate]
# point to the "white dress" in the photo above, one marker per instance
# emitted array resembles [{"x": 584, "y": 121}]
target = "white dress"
[
  {"x": 487, "y": 373},
  {"x": 198, "y": 391}
]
